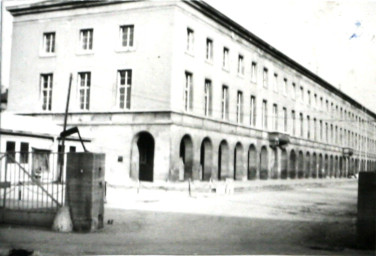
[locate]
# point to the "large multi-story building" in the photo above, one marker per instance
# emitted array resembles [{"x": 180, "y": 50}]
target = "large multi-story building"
[{"x": 175, "y": 89}]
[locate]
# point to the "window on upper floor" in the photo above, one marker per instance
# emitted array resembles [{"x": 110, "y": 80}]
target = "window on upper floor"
[
  {"x": 275, "y": 117},
  {"x": 84, "y": 83},
  {"x": 308, "y": 127},
  {"x": 188, "y": 92},
  {"x": 24, "y": 154},
  {"x": 239, "y": 107},
  {"x": 284, "y": 110},
  {"x": 314, "y": 129},
  {"x": 124, "y": 84},
  {"x": 293, "y": 126},
  {"x": 285, "y": 84},
  {"x": 321, "y": 131},
  {"x": 301, "y": 93},
  {"x": 240, "y": 65},
  {"x": 275, "y": 82},
  {"x": 126, "y": 36},
  {"x": 309, "y": 97},
  {"x": 208, "y": 98},
  {"x": 254, "y": 72},
  {"x": 209, "y": 50},
  {"x": 301, "y": 124},
  {"x": 321, "y": 103},
  {"x": 264, "y": 114},
  {"x": 49, "y": 42},
  {"x": 265, "y": 77},
  {"x": 46, "y": 91},
  {"x": 86, "y": 39},
  {"x": 293, "y": 90},
  {"x": 190, "y": 40},
  {"x": 226, "y": 58},
  {"x": 252, "y": 120},
  {"x": 225, "y": 103},
  {"x": 315, "y": 100},
  {"x": 11, "y": 151}
]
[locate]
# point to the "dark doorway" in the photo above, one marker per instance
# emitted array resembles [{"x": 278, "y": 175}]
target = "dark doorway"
[
  {"x": 186, "y": 153},
  {"x": 206, "y": 159},
  {"x": 145, "y": 144},
  {"x": 252, "y": 162},
  {"x": 223, "y": 160},
  {"x": 264, "y": 163}
]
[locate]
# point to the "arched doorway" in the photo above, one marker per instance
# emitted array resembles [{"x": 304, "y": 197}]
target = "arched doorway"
[
  {"x": 223, "y": 160},
  {"x": 292, "y": 169},
  {"x": 284, "y": 164},
  {"x": 314, "y": 166},
  {"x": 206, "y": 159},
  {"x": 331, "y": 167},
  {"x": 301, "y": 165},
  {"x": 335, "y": 169},
  {"x": 238, "y": 160},
  {"x": 274, "y": 164},
  {"x": 264, "y": 163},
  {"x": 186, "y": 154},
  {"x": 340, "y": 173},
  {"x": 145, "y": 151},
  {"x": 307, "y": 165},
  {"x": 321, "y": 167},
  {"x": 252, "y": 162},
  {"x": 326, "y": 166}
]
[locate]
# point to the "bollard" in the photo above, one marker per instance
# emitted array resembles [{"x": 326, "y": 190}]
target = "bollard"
[{"x": 366, "y": 221}]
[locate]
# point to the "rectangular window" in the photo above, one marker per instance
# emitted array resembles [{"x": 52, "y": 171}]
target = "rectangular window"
[
  {"x": 253, "y": 111},
  {"x": 72, "y": 149},
  {"x": 275, "y": 117},
  {"x": 11, "y": 151},
  {"x": 188, "y": 92},
  {"x": 24, "y": 155},
  {"x": 314, "y": 129},
  {"x": 265, "y": 77},
  {"x": 49, "y": 42},
  {"x": 308, "y": 128},
  {"x": 84, "y": 82},
  {"x": 264, "y": 115},
  {"x": 327, "y": 105},
  {"x": 284, "y": 119},
  {"x": 208, "y": 98},
  {"x": 321, "y": 103},
  {"x": 124, "y": 88},
  {"x": 326, "y": 132},
  {"x": 127, "y": 36},
  {"x": 239, "y": 108},
  {"x": 293, "y": 90},
  {"x": 275, "y": 83},
  {"x": 315, "y": 100},
  {"x": 293, "y": 117},
  {"x": 209, "y": 49},
  {"x": 86, "y": 39},
  {"x": 285, "y": 84},
  {"x": 301, "y": 125},
  {"x": 331, "y": 134},
  {"x": 225, "y": 107},
  {"x": 240, "y": 65},
  {"x": 190, "y": 40},
  {"x": 46, "y": 91},
  {"x": 309, "y": 97},
  {"x": 321, "y": 131},
  {"x": 226, "y": 58},
  {"x": 301, "y": 93},
  {"x": 254, "y": 72}
]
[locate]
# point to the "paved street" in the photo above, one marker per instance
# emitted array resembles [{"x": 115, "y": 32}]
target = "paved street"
[{"x": 315, "y": 219}]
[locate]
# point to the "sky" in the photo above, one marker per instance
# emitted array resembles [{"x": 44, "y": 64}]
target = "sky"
[{"x": 334, "y": 39}]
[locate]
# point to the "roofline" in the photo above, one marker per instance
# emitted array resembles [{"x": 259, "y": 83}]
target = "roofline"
[
  {"x": 228, "y": 23},
  {"x": 210, "y": 12}
]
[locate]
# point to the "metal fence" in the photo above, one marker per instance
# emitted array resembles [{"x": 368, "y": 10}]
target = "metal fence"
[{"x": 33, "y": 181}]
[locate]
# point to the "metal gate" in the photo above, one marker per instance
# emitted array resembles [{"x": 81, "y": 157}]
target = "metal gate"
[{"x": 32, "y": 187}]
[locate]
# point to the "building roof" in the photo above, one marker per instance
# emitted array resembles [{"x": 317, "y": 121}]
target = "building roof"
[
  {"x": 209, "y": 11},
  {"x": 11, "y": 123}
]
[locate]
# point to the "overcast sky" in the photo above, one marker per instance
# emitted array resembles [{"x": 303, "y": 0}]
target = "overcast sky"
[{"x": 334, "y": 39}]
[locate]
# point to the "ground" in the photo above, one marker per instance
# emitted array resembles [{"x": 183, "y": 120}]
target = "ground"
[{"x": 312, "y": 218}]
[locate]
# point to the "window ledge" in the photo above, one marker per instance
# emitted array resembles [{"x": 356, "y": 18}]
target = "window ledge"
[
  {"x": 125, "y": 49},
  {"x": 47, "y": 55},
  {"x": 83, "y": 52}
]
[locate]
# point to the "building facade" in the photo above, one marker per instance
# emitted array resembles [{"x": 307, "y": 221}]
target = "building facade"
[{"x": 171, "y": 90}]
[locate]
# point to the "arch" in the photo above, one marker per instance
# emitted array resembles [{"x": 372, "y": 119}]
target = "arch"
[
  {"x": 206, "y": 158},
  {"x": 321, "y": 167},
  {"x": 335, "y": 169},
  {"x": 307, "y": 165},
  {"x": 301, "y": 165},
  {"x": 331, "y": 166},
  {"x": 340, "y": 169},
  {"x": 292, "y": 169},
  {"x": 314, "y": 166},
  {"x": 274, "y": 163},
  {"x": 223, "y": 160},
  {"x": 284, "y": 164},
  {"x": 186, "y": 154},
  {"x": 326, "y": 163},
  {"x": 252, "y": 162},
  {"x": 264, "y": 163},
  {"x": 142, "y": 156},
  {"x": 238, "y": 160}
]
